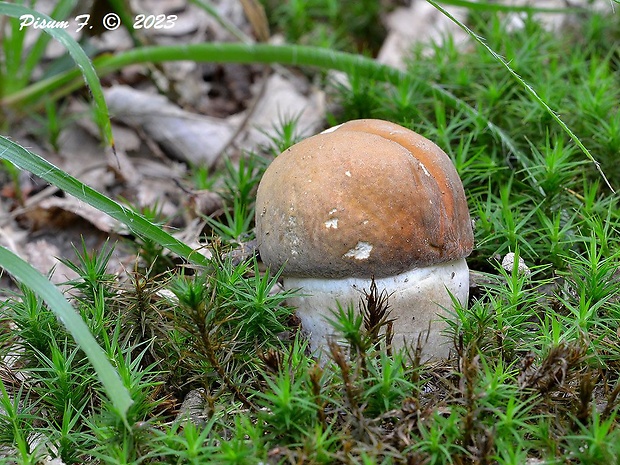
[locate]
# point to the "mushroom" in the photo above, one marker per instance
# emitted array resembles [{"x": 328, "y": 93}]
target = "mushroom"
[{"x": 362, "y": 200}]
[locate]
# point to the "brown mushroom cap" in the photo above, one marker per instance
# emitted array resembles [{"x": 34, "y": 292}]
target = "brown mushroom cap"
[{"x": 368, "y": 198}]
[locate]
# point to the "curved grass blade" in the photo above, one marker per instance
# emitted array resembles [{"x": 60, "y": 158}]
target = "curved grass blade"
[
  {"x": 61, "y": 10},
  {"x": 139, "y": 225},
  {"x": 294, "y": 55},
  {"x": 527, "y": 87},
  {"x": 110, "y": 379},
  {"x": 82, "y": 61}
]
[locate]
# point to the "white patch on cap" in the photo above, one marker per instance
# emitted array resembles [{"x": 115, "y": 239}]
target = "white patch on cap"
[
  {"x": 291, "y": 235},
  {"x": 360, "y": 252},
  {"x": 332, "y": 129},
  {"x": 332, "y": 223},
  {"x": 424, "y": 169},
  {"x": 333, "y": 210}
]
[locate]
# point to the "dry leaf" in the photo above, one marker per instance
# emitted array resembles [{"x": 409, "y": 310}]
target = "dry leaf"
[{"x": 186, "y": 136}]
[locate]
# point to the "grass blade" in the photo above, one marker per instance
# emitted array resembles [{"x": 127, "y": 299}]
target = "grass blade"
[
  {"x": 82, "y": 61},
  {"x": 27, "y": 275},
  {"x": 294, "y": 55},
  {"x": 61, "y": 10},
  {"x": 527, "y": 87},
  {"x": 29, "y": 161}
]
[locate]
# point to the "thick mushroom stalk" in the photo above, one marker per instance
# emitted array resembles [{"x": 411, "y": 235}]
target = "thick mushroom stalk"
[{"x": 368, "y": 199}]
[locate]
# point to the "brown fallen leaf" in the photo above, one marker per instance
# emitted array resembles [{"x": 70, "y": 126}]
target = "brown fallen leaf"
[{"x": 60, "y": 212}]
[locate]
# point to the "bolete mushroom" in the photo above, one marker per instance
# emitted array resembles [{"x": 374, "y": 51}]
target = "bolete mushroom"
[{"x": 364, "y": 199}]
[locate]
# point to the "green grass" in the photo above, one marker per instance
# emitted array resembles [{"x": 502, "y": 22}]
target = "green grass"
[
  {"x": 535, "y": 372},
  {"x": 17, "y": 66}
]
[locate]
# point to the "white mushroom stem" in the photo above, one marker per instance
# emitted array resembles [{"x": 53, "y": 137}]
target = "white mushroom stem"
[{"x": 418, "y": 300}]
